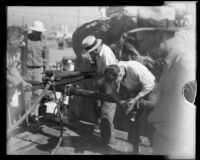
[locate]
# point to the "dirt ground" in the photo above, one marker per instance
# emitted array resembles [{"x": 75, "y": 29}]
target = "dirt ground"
[{"x": 79, "y": 138}]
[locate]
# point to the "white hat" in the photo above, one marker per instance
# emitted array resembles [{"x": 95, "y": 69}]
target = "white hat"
[
  {"x": 90, "y": 43},
  {"x": 38, "y": 26},
  {"x": 155, "y": 18}
]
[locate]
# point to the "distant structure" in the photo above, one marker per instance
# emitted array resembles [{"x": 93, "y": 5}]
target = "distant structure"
[
  {"x": 113, "y": 11},
  {"x": 184, "y": 17}
]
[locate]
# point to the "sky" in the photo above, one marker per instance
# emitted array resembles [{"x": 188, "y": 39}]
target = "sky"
[{"x": 52, "y": 17}]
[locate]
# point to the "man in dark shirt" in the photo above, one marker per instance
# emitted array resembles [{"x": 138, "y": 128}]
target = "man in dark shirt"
[{"x": 37, "y": 60}]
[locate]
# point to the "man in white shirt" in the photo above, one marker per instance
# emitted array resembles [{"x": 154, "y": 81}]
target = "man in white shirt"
[
  {"x": 102, "y": 56},
  {"x": 138, "y": 81}
]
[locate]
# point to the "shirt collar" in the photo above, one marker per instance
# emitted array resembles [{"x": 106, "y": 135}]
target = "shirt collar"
[{"x": 101, "y": 52}]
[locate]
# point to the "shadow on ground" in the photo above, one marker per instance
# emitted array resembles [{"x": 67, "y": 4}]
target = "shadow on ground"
[{"x": 78, "y": 138}]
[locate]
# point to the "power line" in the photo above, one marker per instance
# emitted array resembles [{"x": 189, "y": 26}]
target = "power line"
[{"x": 49, "y": 15}]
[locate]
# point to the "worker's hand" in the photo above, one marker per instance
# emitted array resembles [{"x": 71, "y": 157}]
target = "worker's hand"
[
  {"x": 130, "y": 105},
  {"x": 123, "y": 104}
]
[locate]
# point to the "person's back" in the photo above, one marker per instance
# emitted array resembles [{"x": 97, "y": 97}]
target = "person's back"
[{"x": 178, "y": 123}]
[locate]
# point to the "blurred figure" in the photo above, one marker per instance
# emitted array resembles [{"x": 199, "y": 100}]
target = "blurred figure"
[
  {"x": 14, "y": 79},
  {"x": 61, "y": 41},
  {"x": 60, "y": 35},
  {"x": 67, "y": 64},
  {"x": 173, "y": 118},
  {"x": 183, "y": 18}
]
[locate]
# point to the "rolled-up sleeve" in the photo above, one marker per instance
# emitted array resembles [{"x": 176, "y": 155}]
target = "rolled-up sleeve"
[{"x": 147, "y": 81}]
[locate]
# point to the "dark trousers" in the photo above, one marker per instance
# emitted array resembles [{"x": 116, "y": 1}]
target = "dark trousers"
[{"x": 134, "y": 131}]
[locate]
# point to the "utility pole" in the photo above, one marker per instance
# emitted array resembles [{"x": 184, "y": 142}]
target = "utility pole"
[{"x": 22, "y": 21}]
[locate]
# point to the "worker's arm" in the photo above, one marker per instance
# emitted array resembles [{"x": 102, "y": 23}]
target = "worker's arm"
[
  {"x": 147, "y": 82},
  {"x": 14, "y": 77}
]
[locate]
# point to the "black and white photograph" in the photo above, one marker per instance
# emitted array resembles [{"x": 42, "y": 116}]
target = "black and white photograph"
[{"x": 102, "y": 80}]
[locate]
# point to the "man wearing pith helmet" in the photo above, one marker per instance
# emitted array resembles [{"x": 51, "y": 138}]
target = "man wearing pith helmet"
[
  {"x": 37, "y": 60},
  {"x": 102, "y": 56},
  {"x": 172, "y": 117}
]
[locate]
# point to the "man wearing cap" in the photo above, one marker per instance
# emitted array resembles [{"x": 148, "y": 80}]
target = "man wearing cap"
[
  {"x": 37, "y": 60},
  {"x": 172, "y": 117},
  {"x": 101, "y": 55}
]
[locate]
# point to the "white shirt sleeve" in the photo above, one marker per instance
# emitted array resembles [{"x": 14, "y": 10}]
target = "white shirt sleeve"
[
  {"x": 146, "y": 78},
  {"x": 108, "y": 58}
]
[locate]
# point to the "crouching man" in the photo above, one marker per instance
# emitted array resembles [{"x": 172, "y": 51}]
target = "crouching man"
[{"x": 139, "y": 82}]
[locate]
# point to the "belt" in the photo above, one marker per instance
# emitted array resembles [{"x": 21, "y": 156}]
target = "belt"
[{"x": 34, "y": 67}]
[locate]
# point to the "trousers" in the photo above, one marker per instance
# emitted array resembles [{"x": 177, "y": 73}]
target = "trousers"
[
  {"x": 107, "y": 115},
  {"x": 33, "y": 75}
]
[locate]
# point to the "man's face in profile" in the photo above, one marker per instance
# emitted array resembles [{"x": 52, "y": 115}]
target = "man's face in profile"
[{"x": 95, "y": 53}]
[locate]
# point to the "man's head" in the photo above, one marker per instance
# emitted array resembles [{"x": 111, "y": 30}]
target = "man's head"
[
  {"x": 15, "y": 37},
  {"x": 37, "y": 29},
  {"x": 92, "y": 46},
  {"x": 114, "y": 74}
]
